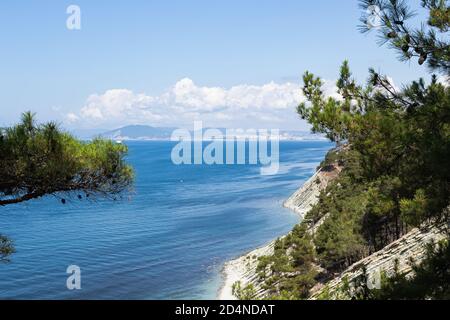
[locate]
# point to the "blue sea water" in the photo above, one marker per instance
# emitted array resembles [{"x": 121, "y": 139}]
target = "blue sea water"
[{"x": 168, "y": 241}]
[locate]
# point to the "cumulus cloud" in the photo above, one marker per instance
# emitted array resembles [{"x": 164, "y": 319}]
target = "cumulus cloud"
[
  {"x": 242, "y": 105},
  {"x": 71, "y": 117}
]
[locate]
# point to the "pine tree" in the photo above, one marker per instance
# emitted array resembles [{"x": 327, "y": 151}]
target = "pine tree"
[
  {"x": 428, "y": 43},
  {"x": 41, "y": 160}
]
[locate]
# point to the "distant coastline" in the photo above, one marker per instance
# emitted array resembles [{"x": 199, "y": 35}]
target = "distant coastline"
[
  {"x": 292, "y": 139},
  {"x": 148, "y": 133}
]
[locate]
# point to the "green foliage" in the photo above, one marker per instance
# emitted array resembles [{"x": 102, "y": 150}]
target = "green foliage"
[
  {"x": 426, "y": 42},
  {"x": 341, "y": 292},
  {"x": 401, "y": 139},
  {"x": 246, "y": 293},
  {"x": 334, "y": 157},
  {"x": 339, "y": 241},
  {"x": 396, "y": 173},
  {"x": 430, "y": 280},
  {"x": 414, "y": 210},
  {"x": 396, "y": 158},
  {"x": 40, "y": 160},
  {"x": 395, "y": 176},
  {"x": 327, "y": 116},
  {"x": 297, "y": 287},
  {"x": 290, "y": 273},
  {"x": 303, "y": 253}
]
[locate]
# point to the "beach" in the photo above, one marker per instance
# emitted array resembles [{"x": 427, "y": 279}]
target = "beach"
[{"x": 243, "y": 268}]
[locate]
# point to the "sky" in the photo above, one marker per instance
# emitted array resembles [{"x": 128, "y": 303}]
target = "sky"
[{"x": 230, "y": 63}]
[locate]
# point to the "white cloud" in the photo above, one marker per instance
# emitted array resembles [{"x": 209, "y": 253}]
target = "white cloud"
[
  {"x": 71, "y": 117},
  {"x": 239, "y": 106},
  {"x": 114, "y": 103}
]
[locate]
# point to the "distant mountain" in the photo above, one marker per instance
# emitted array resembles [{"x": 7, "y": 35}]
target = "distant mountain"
[
  {"x": 293, "y": 135},
  {"x": 143, "y": 132}
]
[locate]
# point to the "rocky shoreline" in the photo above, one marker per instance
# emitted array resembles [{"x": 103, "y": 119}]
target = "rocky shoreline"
[
  {"x": 395, "y": 256},
  {"x": 400, "y": 252},
  {"x": 243, "y": 269}
]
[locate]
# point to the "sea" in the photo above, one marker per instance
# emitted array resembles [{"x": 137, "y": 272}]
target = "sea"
[{"x": 168, "y": 239}]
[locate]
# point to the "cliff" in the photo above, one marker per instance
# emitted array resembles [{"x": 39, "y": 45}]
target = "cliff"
[
  {"x": 306, "y": 197},
  {"x": 399, "y": 254},
  {"x": 243, "y": 269}
]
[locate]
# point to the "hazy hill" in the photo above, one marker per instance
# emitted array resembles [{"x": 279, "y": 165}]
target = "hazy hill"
[
  {"x": 143, "y": 132},
  {"x": 139, "y": 132}
]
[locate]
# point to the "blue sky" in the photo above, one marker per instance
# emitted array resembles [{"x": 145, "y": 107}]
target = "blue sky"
[{"x": 170, "y": 62}]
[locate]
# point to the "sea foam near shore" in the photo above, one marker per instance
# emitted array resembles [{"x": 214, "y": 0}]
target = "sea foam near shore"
[{"x": 243, "y": 269}]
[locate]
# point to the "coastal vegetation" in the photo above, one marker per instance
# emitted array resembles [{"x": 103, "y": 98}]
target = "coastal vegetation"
[
  {"x": 394, "y": 147},
  {"x": 431, "y": 278},
  {"x": 39, "y": 160}
]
